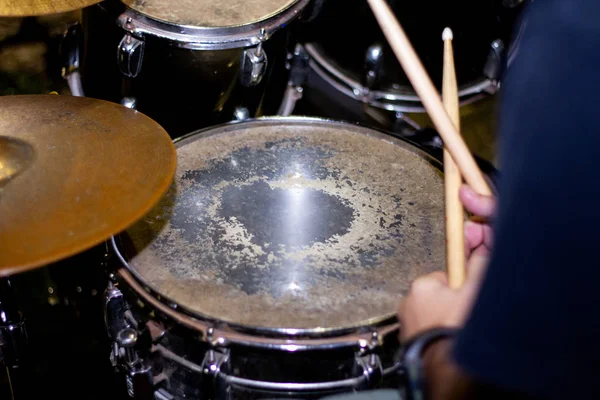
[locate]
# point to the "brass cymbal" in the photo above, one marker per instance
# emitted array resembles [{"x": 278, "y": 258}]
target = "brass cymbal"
[
  {"x": 73, "y": 172},
  {"x": 32, "y": 8}
]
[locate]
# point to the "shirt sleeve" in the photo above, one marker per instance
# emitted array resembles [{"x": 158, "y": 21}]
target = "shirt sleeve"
[{"x": 535, "y": 326}]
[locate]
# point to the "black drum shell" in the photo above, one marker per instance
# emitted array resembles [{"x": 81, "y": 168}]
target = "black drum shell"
[
  {"x": 182, "y": 89},
  {"x": 257, "y": 363}
]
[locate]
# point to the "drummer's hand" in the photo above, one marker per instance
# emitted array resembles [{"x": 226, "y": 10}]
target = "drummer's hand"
[
  {"x": 478, "y": 233},
  {"x": 431, "y": 303}
]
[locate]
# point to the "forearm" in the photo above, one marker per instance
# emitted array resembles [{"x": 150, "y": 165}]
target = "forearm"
[{"x": 445, "y": 381}]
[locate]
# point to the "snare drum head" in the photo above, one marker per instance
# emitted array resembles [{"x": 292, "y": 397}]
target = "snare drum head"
[
  {"x": 209, "y": 13},
  {"x": 284, "y": 224}
]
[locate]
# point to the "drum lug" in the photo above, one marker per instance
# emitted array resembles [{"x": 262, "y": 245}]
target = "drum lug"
[
  {"x": 129, "y": 102},
  {"x": 213, "y": 361},
  {"x": 373, "y": 60},
  {"x": 241, "y": 113},
  {"x": 212, "y": 365},
  {"x": 254, "y": 63},
  {"x": 496, "y": 61},
  {"x": 372, "y": 369},
  {"x": 369, "y": 362},
  {"x": 130, "y": 52}
]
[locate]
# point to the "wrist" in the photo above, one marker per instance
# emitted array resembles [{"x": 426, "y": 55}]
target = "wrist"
[
  {"x": 420, "y": 357},
  {"x": 436, "y": 353},
  {"x": 437, "y": 367}
]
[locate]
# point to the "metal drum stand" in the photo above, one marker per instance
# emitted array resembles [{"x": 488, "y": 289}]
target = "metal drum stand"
[{"x": 13, "y": 335}]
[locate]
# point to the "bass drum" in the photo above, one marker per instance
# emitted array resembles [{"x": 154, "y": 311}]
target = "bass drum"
[
  {"x": 274, "y": 266},
  {"x": 353, "y": 66},
  {"x": 186, "y": 64}
]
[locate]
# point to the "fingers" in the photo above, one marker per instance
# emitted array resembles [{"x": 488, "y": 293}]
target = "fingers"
[
  {"x": 429, "y": 282},
  {"x": 476, "y": 235},
  {"x": 439, "y": 276},
  {"x": 473, "y": 236},
  {"x": 424, "y": 287},
  {"x": 483, "y": 206},
  {"x": 477, "y": 264}
]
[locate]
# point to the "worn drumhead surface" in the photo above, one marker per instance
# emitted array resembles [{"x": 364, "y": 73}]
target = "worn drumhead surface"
[
  {"x": 209, "y": 13},
  {"x": 302, "y": 224}
]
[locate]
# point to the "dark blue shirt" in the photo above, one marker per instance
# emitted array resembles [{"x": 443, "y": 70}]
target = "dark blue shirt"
[{"x": 535, "y": 327}]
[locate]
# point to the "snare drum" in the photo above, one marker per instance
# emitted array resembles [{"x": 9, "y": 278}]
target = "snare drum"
[
  {"x": 186, "y": 64},
  {"x": 274, "y": 265},
  {"x": 353, "y": 67}
]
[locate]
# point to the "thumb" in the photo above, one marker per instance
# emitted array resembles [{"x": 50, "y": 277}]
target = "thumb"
[{"x": 477, "y": 264}]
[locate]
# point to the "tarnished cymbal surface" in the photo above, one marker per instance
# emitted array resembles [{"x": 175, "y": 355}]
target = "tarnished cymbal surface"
[
  {"x": 74, "y": 171},
  {"x": 32, "y": 8},
  {"x": 292, "y": 224}
]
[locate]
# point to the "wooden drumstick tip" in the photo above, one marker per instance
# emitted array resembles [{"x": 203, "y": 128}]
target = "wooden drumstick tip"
[
  {"x": 447, "y": 34},
  {"x": 429, "y": 95}
]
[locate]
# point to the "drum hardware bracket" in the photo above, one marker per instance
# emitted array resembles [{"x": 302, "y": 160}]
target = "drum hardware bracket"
[
  {"x": 369, "y": 362},
  {"x": 298, "y": 65},
  {"x": 496, "y": 61},
  {"x": 372, "y": 65},
  {"x": 130, "y": 52},
  {"x": 115, "y": 309},
  {"x": 126, "y": 341},
  {"x": 213, "y": 361},
  {"x": 70, "y": 53},
  {"x": 129, "y": 102},
  {"x": 13, "y": 339},
  {"x": 254, "y": 62},
  {"x": 138, "y": 375},
  {"x": 372, "y": 369},
  {"x": 212, "y": 364},
  {"x": 241, "y": 114},
  {"x": 13, "y": 334},
  {"x": 156, "y": 331}
]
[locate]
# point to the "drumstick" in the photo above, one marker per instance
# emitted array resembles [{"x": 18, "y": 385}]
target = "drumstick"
[
  {"x": 429, "y": 96},
  {"x": 455, "y": 243}
]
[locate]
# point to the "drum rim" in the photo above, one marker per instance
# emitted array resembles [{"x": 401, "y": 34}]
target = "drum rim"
[
  {"x": 372, "y": 324},
  {"x": 206, "y": 38},
  {"x": 401, "y": 101}
]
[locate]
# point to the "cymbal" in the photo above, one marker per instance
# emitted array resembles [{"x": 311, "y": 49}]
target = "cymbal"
[
  {"x": 73, "y": 172},
  {"x": 31, "y": 8}
]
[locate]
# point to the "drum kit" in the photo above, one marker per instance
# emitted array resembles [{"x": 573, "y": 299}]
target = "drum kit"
[{"x": 249, "y": 252}]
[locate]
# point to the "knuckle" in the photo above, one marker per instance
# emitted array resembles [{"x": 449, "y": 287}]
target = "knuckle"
[{"x": 422, "y": 285}]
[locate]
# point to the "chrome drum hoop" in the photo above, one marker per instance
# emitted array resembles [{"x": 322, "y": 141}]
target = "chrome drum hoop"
[
  {"x": 371, "y": 369},
  {"x": 209, "y": 38},
  {"x": 390, "y": 101}
]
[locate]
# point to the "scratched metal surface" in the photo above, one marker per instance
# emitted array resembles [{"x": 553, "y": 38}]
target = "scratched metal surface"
[
  {"x": 210, "y": 13},
  {"x": 308, "y": 225}
]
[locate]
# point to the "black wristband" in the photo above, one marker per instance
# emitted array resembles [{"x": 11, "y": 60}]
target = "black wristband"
[{"x": 412, "y": 361}]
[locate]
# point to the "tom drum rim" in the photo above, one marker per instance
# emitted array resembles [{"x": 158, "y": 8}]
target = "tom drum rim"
[
  {"x": 206, "y": 37},
  {"x": 398, "y": 101}
]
